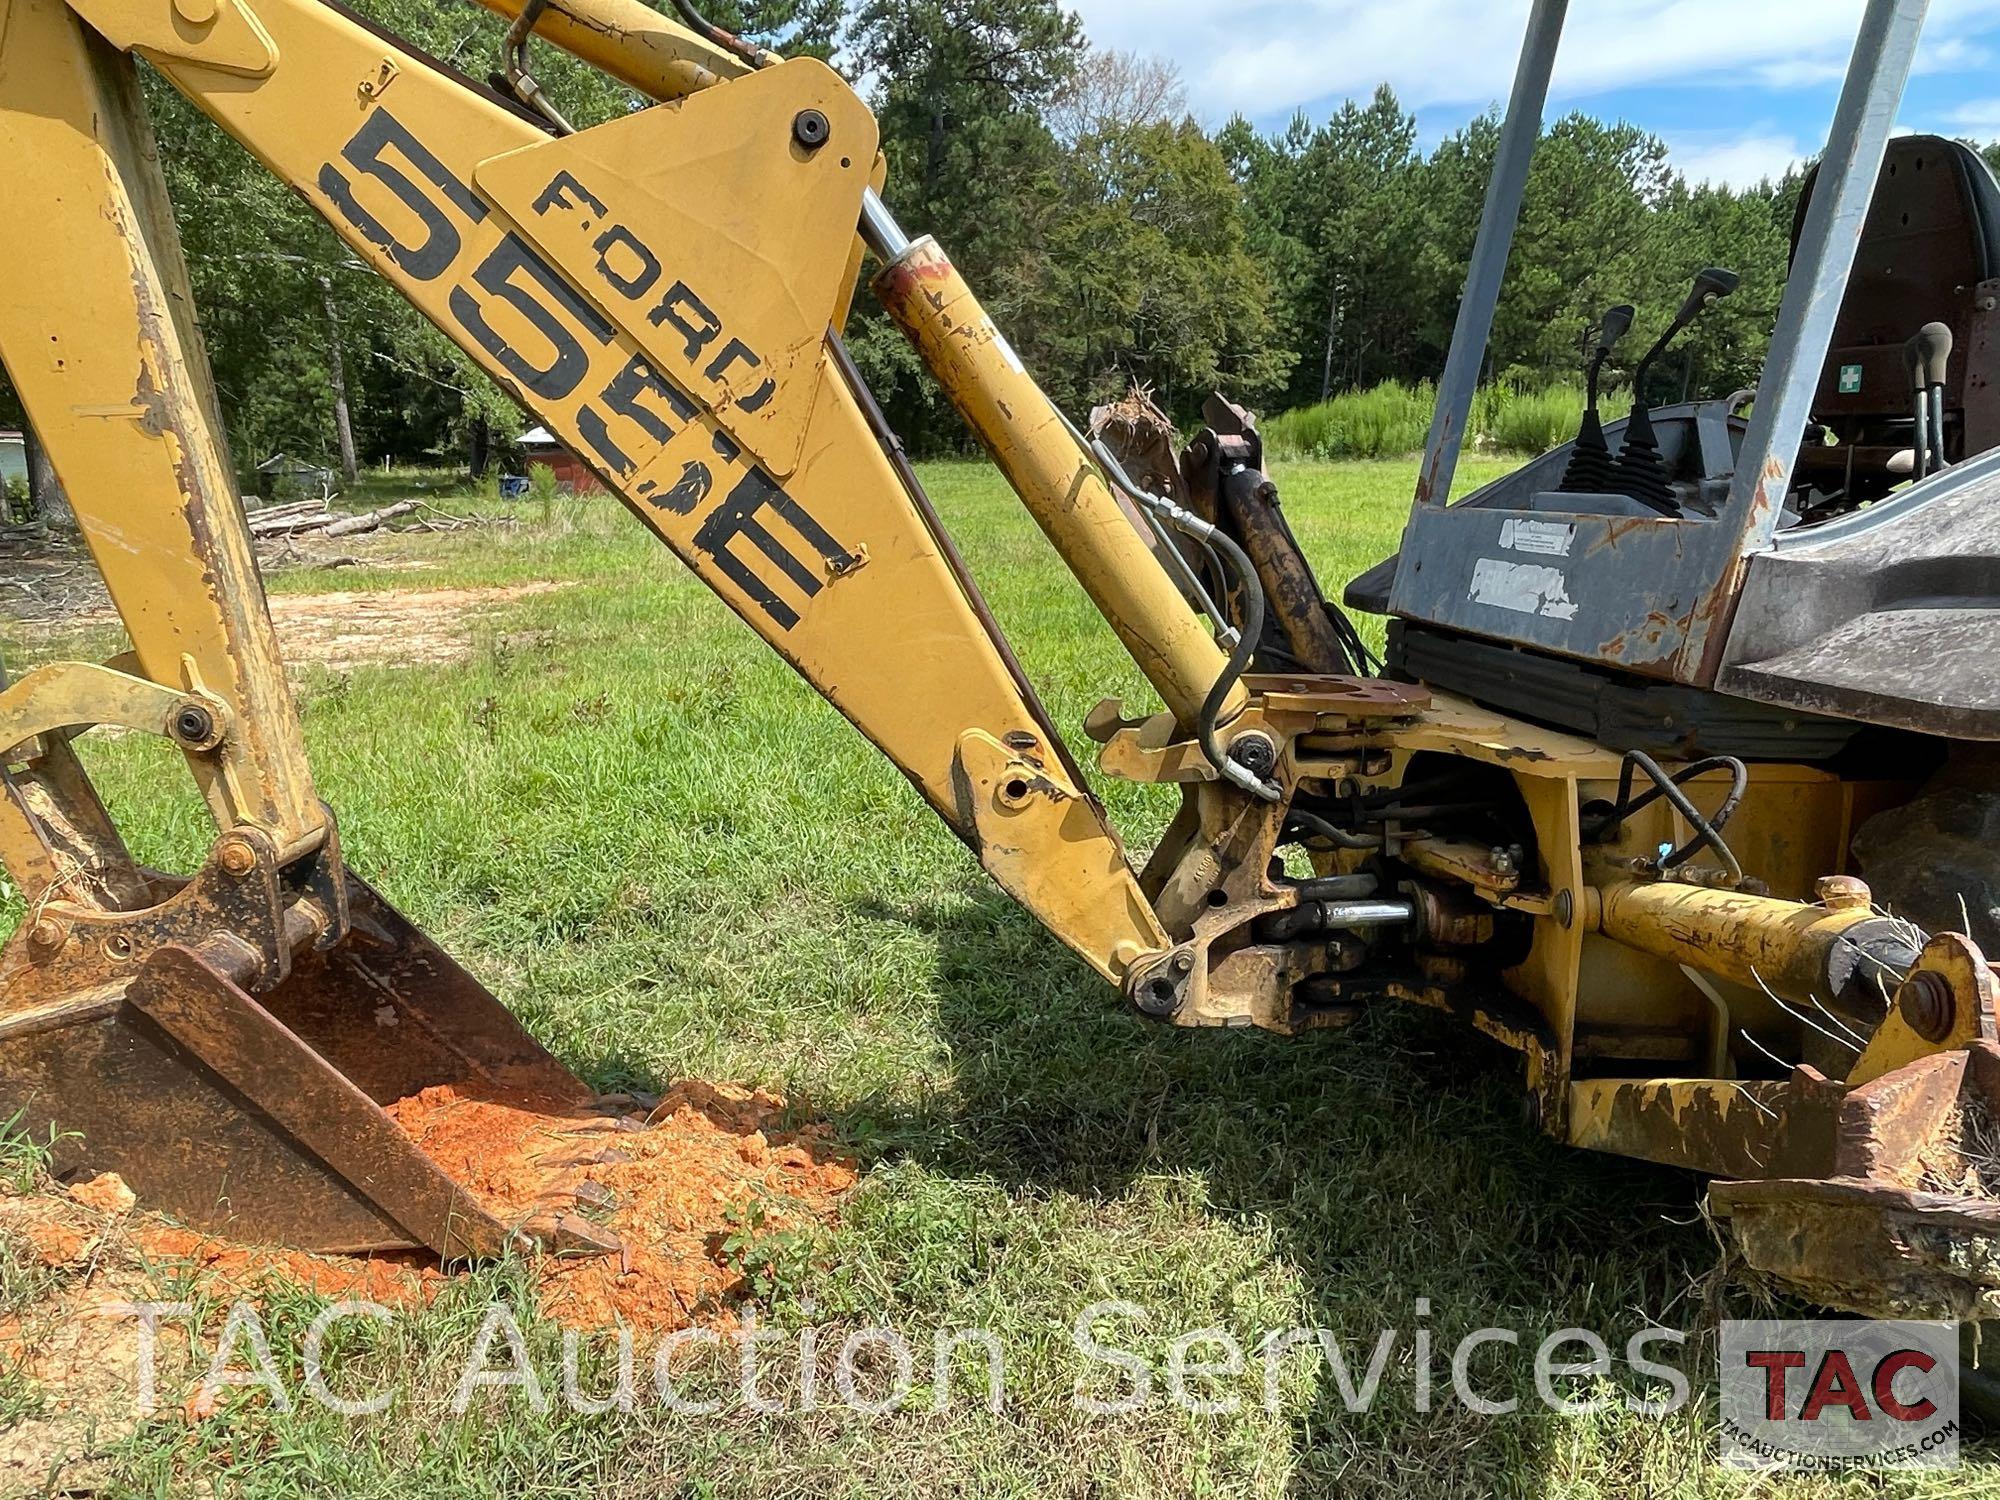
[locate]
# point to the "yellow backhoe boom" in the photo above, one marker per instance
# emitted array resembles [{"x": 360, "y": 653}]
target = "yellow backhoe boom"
[{"x": 664, "y": 293}]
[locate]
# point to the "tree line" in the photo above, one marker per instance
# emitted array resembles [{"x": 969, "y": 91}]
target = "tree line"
[{"x": 1113, "y": 237}]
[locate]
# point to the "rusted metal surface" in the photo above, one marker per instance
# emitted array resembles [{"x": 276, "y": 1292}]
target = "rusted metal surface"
[
  {"x": 1869, "y": 1247},
  {"x": 136, "y": 1037},
  {"x": 1879, "y": 1198},
  {"x": 74, "y": 948},
  {"x": 1725, "y": 1127},
  {"x": 1842, "y": 958},
  {"x": 344, "y": 1138},
  {"x": 1221, "y": 473},
  {"x": 1142, "y": 438},
  {"x": 1291, "y": 593}
]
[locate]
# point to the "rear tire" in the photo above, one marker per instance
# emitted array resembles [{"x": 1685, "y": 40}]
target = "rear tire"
[{"x": 1936, "y": 860}]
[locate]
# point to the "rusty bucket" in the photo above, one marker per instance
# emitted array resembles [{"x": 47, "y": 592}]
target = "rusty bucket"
[{"x": 260, "y": 1110}]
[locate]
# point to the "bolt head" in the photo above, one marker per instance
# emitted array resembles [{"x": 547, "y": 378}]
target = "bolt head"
[
  {"x": 193, "y": 725},
  {"x": 810, "y": 129},
  {"x": 1927, "y": 1003},
  {"x": 1157, "y": 995},
  {"x": 236, "y": 856},
  {"x": 47, "y": 933}
]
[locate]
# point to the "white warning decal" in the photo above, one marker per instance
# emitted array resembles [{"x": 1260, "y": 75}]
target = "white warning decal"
[
  {"x": 1549, "y": 538},
  {"x": 1525, "y": 588}
]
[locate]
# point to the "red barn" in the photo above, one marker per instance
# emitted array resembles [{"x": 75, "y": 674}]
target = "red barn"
[{"x": 538, "y": 447}]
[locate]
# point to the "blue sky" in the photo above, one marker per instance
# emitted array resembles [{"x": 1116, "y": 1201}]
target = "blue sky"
[{"x": 1737, "y": 88}]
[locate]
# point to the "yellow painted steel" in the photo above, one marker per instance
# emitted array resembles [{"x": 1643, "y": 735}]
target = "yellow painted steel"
[
  {"x": 1974, "y": 990},
  {"x": 632, "y": 43},
  {"x": 663, "y": 60},
  {"x": 1753, "y": 940},
  {"x": 1055, "y": 478},
  {"x": 1719, "y": 1126},
  {"x": 658, "y": 291},
  {"x": 97, "y": 330},
  {"x": 1038, "y": 839},
  {"x": 683, "y": 196},
  {"x": 641, "y": 287}
]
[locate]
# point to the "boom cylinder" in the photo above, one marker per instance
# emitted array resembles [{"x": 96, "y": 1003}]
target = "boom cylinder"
[
  {"x": 1800, "y": 952},
  {"x": 1055, "y": 477},
  {"x": 633, "y": 43}
]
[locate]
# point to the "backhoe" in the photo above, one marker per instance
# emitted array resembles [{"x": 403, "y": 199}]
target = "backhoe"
[{"x": 1653, "y": 710}]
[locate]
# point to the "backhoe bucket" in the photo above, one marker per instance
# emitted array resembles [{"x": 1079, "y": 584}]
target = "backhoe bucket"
[
  {"x": 1901, "y": 1217},
  {"x": 264, "y": 1117},
  {"x": 1908, "y": 1223}
]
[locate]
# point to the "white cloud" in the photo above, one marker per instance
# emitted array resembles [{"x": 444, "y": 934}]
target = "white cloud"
[
  {"x": 1739, "y": 161},
  {"x": 1979, "y": 118},
  {"x": 1268, "y": 57},
  {"x": 1800, "y": 72}
]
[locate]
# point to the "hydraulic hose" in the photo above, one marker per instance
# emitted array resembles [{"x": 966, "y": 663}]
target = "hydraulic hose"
[
  {"x": 728, "y": 41},
  {"x": 1340, "y": 838},
  {"x": 1249, "y": 631}
]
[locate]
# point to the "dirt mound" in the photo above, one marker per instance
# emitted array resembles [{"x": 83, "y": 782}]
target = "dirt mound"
[
  {"x": 399, "y": 626},
  {"x": 692, "y": 1191},
  {"x": 339, "y": 630},
  {"x": 698, "y": 1192}
]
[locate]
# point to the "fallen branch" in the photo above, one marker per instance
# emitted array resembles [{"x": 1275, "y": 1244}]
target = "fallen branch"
[
  {"x": 368, "y": 520},
  {"x": 289, "y": 508},
  {"x": 287, "y": 524}
]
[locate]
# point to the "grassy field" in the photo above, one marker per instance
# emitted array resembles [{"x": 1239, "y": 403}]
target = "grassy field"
[{"x": 670, "y": 858}]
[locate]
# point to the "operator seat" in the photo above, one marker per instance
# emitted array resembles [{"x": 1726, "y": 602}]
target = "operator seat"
[{"x": 1929, "y": 251}]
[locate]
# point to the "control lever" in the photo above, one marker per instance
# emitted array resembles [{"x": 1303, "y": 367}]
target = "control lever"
[
  {"x": 1920, "y": 432},
  {"x": 1640, "y": 473},
  {"x": 1933, "y": 353},
  {"x": 1588, "y": 471}
]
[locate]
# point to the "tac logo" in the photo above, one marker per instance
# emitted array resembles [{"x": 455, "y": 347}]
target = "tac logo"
[{"x": 1839, "y": 1395}]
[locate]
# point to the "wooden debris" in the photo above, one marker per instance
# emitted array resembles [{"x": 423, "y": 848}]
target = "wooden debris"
[
  {"x": 368, "y": 520},
  {"x": 313, "y": 515}
]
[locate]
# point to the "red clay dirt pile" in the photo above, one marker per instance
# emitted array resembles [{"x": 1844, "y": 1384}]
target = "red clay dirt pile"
[
  {"x": 709, "y": 1162},
  {"x": 673, "y": 1185}
]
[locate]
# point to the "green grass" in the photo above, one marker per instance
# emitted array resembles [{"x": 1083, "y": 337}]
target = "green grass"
[
  {"x": 1392, "y": 420},
  {"x": 671, "y": 858}
]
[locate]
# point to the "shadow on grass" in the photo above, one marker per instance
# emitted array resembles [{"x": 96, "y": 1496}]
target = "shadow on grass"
[{"x": 1387, "y": 1163}]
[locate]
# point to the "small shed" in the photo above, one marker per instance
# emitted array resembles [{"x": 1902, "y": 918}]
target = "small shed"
[
  {"x": 282, "y": 477},
  {"x": 538, "y": 446},
  {"x": 13, "y": 458}
]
